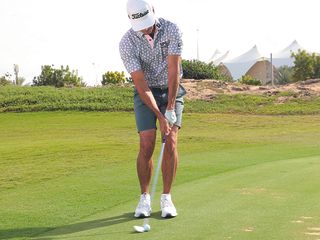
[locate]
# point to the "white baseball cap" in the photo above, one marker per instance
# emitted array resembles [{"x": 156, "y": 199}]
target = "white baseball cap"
[{"x": 141, "y": 14}]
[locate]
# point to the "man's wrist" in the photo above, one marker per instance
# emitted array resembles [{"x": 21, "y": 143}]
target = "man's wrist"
[
  {"x": 170, "y": 107},
  {"x": 161, "y": 116}
]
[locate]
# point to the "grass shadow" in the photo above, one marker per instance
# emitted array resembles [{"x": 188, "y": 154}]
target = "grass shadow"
[{"x": 46, "y": 232}]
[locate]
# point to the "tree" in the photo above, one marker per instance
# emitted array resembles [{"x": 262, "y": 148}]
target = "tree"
[
  {"x": 113, "y": 78},
  {"x": 306, "y": 65},
  {"x": 195, "y": 69},
  {"x": 61, "y": 77},
  {"x": 316, "y": 67}
]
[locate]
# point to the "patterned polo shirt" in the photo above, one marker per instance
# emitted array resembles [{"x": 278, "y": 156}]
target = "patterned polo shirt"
[{"x": 137, "y": 54}]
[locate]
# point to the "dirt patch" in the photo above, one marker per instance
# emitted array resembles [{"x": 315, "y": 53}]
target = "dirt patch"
[
  {"x": 252, "y": 191},
  {"x": 313, "y": 233},
  {"x": 314, "y": 229},
  {"x": 207, "y": 89},
  {"x": 248, "y": 229}
]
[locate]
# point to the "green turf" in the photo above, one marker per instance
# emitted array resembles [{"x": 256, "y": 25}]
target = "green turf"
[{"x": 71, "y": 175}]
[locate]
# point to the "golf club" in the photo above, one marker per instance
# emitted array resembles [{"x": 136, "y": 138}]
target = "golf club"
[{"x": 146, "y": 227}]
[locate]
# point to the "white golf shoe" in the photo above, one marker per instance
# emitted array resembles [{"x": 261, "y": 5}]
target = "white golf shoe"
[
  {"x": 167, "y": 208},
  {"x": 144, "y": 206}
]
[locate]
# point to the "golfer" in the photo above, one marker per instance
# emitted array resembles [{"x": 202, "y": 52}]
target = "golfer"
[{"x": 151, "y": 52}]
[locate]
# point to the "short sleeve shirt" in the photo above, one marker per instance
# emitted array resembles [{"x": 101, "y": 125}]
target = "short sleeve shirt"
[{"x": 137, "y": 54}]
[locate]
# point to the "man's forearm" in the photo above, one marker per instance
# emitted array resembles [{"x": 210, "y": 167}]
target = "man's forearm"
[
  {"x": 145, "y": 93},
  {"x": 173, "y": 85},
  {"x": 148, "y": 99},
  {"x": 173, "y": 80}
]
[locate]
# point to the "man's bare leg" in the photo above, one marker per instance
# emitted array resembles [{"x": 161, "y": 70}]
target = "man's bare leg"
[
  {"x": 144, "y": 159},
  {"x": 170, "y": 160}
]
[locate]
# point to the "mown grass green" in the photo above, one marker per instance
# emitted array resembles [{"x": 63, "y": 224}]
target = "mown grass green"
[
  {"x": 116, "y": 98},
  {"x": 71, "y": 175}
]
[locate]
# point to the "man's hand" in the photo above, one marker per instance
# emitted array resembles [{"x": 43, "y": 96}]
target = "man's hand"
[
  {"x": 171, "y": 116},
  {"x": 165, "y": 128}
]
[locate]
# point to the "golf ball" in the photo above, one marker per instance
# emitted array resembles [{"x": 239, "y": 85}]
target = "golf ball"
[{"x": 146, "y": 227}]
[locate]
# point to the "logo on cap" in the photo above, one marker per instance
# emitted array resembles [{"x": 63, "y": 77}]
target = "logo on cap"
[{"x": 139, "y": 15}]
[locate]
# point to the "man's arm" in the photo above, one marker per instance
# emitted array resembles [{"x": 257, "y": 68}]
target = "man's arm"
[
  {"x": 173, "y": 79},
  {"x": 148, "y": 99}
]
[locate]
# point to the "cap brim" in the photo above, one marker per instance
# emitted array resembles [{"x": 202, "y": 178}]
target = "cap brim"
[{"x": 138, "y": 25}]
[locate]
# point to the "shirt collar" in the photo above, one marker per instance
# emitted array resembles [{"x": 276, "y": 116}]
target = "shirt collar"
[{"x": 158, "y": 27}]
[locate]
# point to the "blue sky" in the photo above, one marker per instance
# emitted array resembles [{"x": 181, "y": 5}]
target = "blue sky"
[{"x": 85, "y": 33}]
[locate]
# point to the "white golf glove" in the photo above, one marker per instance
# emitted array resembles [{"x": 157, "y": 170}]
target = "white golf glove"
[{"x": 171, "y": 116}]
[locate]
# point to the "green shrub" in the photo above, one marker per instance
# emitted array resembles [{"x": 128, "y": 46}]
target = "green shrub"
[
  {"x": 306, "y": 65},
  {"x": 58, "y": 77},
  {"x": 5, "y": 80},
  {"x": 113, "y": 78},
  {"x": 284, "y": 75},
  {"x": 248, "y": 80},
  {"x": 194, "y": 69}
]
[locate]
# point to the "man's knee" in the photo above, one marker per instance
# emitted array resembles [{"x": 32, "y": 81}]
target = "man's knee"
[
  {"x": 172, "y": 139},
  {"x": 147, "y": 143},
  {"x": 146, "y": 149}
]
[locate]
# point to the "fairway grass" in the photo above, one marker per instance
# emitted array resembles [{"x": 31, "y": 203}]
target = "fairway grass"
[{"x": 71, "y": 175}]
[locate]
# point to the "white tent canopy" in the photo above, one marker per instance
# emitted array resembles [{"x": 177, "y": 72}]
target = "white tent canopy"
[
  {"x": 220, "y": 59},
  {"x": 283, "y": 57},
  {"x": 215, "y": 55},
  {"x": 240, "y": 65}
]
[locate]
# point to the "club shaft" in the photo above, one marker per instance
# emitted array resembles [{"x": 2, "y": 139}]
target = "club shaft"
[
  {"x": 156, "y": 176},
  {"x": 157, "y": 172}
]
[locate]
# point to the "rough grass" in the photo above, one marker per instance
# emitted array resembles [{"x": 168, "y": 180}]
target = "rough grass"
[
  {"x": 32, "y": 99},
  {"x": 115, "y": 98}
]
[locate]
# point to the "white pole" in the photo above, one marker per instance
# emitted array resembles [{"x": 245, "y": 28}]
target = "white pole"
[{"x": 16, "y": 72}]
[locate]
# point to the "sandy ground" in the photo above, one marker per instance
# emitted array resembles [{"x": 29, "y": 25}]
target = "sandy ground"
[{"x": 207, "y": 89}]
